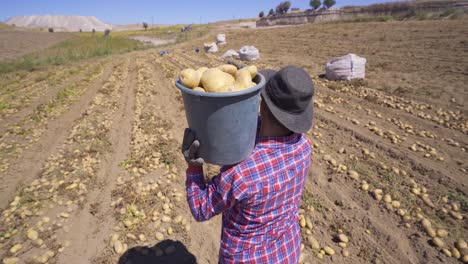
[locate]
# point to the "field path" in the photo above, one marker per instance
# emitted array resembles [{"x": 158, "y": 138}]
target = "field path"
[{"x": 204, "y": 237}]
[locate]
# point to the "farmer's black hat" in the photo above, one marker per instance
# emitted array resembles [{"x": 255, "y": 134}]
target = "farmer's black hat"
[{"x": 288, "y": 94}]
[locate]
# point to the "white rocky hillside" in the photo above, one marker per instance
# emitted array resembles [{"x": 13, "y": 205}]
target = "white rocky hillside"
[{"x": 60, "y": 22}]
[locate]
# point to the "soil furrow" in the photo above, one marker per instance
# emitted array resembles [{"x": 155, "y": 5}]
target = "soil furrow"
[
  {"x": 50, "y": 92},
  {"x": 29, "y": 165},
  {"x": 93, "y": 224},
  {"x": 436, "y": 172}
]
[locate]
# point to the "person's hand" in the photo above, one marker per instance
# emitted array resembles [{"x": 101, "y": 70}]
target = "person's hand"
[{"x": 190, "y": 146}]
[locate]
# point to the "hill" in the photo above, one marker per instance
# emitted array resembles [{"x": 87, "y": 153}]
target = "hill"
[{"x": 60, "y": 22}]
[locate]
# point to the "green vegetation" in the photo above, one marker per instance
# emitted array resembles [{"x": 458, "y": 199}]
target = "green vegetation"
[
  {"x": 308, "y": 199},
  {"x": 126, "y": 163},
  {"x": 451, "y": 13},
  {"x": 164, "y": 32},
  {"x": 167, "y": 33},
  {"x": 460, "y": 198},
  {"x": 329, "y": 3},
  {"x": 413, "y": 14},
  {"x": 283, "y": 7},
  {"x": 3, "y": 25},
  {"x": 3, "y": 106},
  {"x": 63, "y": 96},
  {"x": 369, "y": 19},
  {"x": 315, "y": 4},
  {"x": 84, "y": 46}
]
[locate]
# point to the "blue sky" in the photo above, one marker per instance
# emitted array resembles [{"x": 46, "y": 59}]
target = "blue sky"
[{"x": 161, "y": 12}]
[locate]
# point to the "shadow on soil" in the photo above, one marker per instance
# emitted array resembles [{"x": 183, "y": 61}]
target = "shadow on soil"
[{"x": 165, "y": 252}]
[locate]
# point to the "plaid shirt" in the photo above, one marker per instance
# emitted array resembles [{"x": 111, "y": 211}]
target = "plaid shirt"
[{"x": 259, "y": 199}]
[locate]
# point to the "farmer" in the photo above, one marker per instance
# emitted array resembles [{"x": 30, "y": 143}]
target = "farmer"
[{"x": 259, "y": 197}]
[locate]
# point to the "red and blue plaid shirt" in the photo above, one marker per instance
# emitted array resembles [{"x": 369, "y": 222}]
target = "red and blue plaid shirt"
[{"x": 259, "y": 199}]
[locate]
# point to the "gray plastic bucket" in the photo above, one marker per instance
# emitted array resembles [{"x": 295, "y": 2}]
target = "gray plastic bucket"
[{"x": 224, "y": 123}]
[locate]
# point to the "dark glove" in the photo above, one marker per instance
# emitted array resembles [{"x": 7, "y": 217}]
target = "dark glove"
[{"x": 190, "y": 147}]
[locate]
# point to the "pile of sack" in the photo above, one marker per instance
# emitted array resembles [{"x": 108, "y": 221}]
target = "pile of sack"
[
  {"x": 213, "y": 46},
  {"x": 246, "y": 53}
]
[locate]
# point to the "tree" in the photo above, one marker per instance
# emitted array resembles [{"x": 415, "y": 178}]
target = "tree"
[
  {"x": 94, "y": 31},
  {"x": 283, "y": 7},
  {"x": 286, "y": 6},
  {"x": 315, "y": 4},
  {"x": 271, "y": 12},
  {"x": 329, "y": 3},
  {"x": 106, "y": 32},
  {"x": 51, "y": 30},
  {"x": 278, "y": 9},
  {"x": 145, "y": 25},
  {"x": 261, "y": 14}
]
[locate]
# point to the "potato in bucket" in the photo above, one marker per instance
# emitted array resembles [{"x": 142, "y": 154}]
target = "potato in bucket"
[{"x": 224, "y": 116}]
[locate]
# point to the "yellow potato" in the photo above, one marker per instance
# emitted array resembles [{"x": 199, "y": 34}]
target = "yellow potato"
[
  {"x": 447, "y": 252},
  {"x": 253, "y": 70},
  {"x": 442, "y": 233},
  {"x": 201, "y": 70},
  {"x": 313, "y": 242},
  {"x": 229, "y": 88},
  {"x": 243, "y": 80},
  {"x": 455, "y": 253},
  {"x": 118, "y": 247},
  {"x": 199, "y": 89},
  {"x": 431, "y": 232},
  {"x": 302, "y": 222},
  {"x": 190, "y": 78},
  {"x": 12, "y": 260},
  {"x": 228, "y": 68},
  {"x": 32, "y": 234},
  {"x": 438, "y": 242},
  {"x": 16, "y": 248},
  {"x": 343, "y": 238},
  {"x": 461, "y": 244},
  {"x": 216, "y": 81},
  {"x": 330, "y": 251}
]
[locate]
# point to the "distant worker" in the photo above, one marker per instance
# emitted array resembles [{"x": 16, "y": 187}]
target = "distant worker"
[{"x": 259, "y": 197}]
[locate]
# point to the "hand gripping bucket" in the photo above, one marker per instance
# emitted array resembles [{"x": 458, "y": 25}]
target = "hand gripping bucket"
[{"x": 224, "y": 123}]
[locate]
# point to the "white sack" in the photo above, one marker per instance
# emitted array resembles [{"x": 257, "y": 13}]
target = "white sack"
[
  {"x": 346, "y": 67},
  {"x": 249, "y": 53},
  {"x": 229, "y": 54},
  {"x": 221, "y": 39},
  {"x": 211, "y": 47}
]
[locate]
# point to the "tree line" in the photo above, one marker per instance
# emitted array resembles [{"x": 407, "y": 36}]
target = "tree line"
[{"x": 283, "y": 7}]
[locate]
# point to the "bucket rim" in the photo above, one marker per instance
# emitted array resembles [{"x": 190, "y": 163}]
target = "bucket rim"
[{"x": 227, "y": 94}]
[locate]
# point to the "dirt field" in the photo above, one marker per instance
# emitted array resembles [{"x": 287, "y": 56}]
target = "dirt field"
[
  {"x": 14, "y": 44},
  {"x": 90, "y": 162}
]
